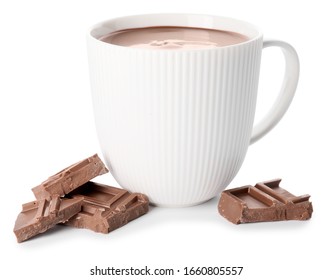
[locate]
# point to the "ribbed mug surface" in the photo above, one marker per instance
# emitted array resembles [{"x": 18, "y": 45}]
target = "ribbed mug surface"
[{"x": 174, "y": 124}]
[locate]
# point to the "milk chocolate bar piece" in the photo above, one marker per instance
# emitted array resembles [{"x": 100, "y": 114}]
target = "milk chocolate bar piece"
[
  {"x": 38, "y": 216},
  {"x": 107, "y": 208},
  {"x": 265, "y": 201},
  {"x": 70, "y": 178}
]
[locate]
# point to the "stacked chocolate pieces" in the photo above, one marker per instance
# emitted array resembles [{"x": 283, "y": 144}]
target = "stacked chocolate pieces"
[{"x": 70, "y": 198}]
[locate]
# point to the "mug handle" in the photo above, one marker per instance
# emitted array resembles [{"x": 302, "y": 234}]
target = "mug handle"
[{"x": 287, "y": 90}]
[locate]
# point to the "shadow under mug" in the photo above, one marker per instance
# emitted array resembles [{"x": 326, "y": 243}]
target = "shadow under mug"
[{"x": 176, "y": 124}]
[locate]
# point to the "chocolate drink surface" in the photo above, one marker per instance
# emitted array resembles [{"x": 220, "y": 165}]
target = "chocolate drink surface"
[{"x": 173, "y": 37}]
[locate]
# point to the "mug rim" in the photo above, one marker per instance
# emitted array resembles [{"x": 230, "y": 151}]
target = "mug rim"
[{"x": 168, "y": 19}]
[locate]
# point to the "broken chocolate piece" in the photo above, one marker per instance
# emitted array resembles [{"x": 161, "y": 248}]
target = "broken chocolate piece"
[
  {"x": 107, "y": 208},
  {"x": 265, "y": 201},
  {"x": 70, "y": 178},
  {"x": 38, "y": 216}
]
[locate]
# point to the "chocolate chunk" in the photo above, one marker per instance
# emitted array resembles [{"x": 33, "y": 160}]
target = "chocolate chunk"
[
  {"x": 38, "y": 216},
  {"x": 107, "y": 208},
  {"x": 86, "y": 204},
  {"x": 70, "y": 178},
  {"x": 265, "y": 201}
]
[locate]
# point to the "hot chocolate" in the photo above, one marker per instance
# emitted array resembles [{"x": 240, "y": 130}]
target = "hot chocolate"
[{"x": 173, "y": 37}]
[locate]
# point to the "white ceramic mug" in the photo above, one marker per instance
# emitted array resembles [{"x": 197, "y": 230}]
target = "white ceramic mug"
[{"x": 176, "y": 124}]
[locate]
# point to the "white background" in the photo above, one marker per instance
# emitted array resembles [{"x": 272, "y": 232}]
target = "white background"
[{"x": 47, "y": 124}]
